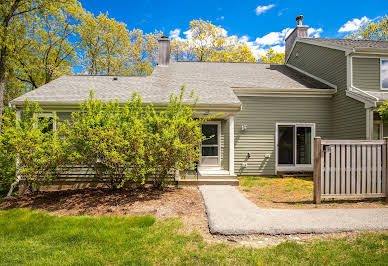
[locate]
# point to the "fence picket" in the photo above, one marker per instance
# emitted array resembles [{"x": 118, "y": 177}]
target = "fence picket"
[
  {"x": 373, "y": 162},
  {"x": 346, "y": 187},
  {"x": 358, "y": 166},
  {"x": 353, "y": 170},
  {"x": 368, "y": 169},
  {"x": 384, "y": 170},
  {"x": 332, "y": 170},
  {"x": 363, "y": 168},
  {"x": 378, "y": 161},
  {"x": 340, "y": 168},
  {"x": 327, "y": 172}
]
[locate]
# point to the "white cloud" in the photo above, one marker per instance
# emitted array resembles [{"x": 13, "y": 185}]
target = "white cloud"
[
  {"x": 174, "y": 34},
  {"x": 353, "y": 24},
  {"x": 262, "y": 9},
  {"x": 256, "y": 50},
  {"x": 315, "y": 33},
  {"x": 188, "y": 34},
  {"x": 220, "y": 18},
  {"x": 273, "y": 38},
  {"x": 279, "y": 48}
]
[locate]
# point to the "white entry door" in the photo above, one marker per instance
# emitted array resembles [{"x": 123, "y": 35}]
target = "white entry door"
[{"x": 210, "y": 149}]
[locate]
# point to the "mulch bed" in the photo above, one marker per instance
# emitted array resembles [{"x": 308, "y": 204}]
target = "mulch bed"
[{"x": 170, "y": 202}]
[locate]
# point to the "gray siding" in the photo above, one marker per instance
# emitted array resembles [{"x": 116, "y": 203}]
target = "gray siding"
[
  {"x": 366, "y": 73},
  {"x": 261, "y": 115},
  {"x": 348, "y": 115}
]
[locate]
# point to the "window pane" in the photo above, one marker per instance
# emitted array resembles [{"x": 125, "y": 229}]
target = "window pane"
[
  {"x": 286, "y": 145},
  {"x": 209, "y": 151},
  {"x": 303, "y": 145},
  {"x": 376, "y": 131},
  {"x": 384, "y": 74},
  {"x": 210, "y": 132},
  {"x": 50, "y": 126}
]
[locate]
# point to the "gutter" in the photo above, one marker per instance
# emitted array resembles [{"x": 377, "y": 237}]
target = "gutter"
[
  {"x": 368, "y": 99},
  {"x": 75, "y": 105},
  {"x": 283, "y": 92}
]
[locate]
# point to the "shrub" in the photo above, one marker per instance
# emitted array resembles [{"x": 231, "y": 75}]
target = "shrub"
[
  {"x": 29, "y": 143},
  {"x": 7, "y": 156},
  {"x": 173, "y": 139},
  {"x": 107, "y": 138}
]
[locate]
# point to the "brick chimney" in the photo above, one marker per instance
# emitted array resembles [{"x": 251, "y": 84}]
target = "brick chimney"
[
  {"x": 164, "y": 51},
  {"x": 300, "y": 31}
]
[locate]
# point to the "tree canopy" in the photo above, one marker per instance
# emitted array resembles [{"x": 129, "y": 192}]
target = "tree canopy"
[
  {"x": 372, "y": 30},
  {"x": 273, "y": 57}
]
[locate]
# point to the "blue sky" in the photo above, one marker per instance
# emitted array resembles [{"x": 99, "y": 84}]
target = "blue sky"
[{"x": 259, "y": 23}]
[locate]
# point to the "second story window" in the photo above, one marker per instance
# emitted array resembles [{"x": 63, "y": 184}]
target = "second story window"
[{"x": 384, "y": 73}]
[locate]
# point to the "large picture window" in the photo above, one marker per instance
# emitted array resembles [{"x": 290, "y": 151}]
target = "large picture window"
[{"x": 384, "y": 73}]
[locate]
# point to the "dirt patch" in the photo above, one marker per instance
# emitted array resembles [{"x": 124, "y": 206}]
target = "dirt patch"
[
  {"x": 294, "y": 193},
  {"x": 170, "y": 202}
]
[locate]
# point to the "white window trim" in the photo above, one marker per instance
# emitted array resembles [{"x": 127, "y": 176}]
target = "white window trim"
[
  {"x": 295, "y": 166},
  {"x": 218, "y": 123},
  {"x": 381, "y": 77}
]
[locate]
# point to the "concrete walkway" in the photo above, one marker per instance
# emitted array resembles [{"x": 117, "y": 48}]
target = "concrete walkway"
[{"x": 229, "y": 213}]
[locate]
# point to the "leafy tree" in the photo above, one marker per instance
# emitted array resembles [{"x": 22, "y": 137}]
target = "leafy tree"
[
  {"x": 273, "y": 57},
  {"x": 14, "y": 18},
  {"x": 104, "y": 43},
  {"x": 143, "y": 52},
  {"x": 210, "y": 43},
  {"x": 47, "y": 51},
  {"x": 377, "y": 31}
]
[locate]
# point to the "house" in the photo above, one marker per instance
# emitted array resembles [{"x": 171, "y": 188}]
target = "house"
[{"x": 271, "y": 113}]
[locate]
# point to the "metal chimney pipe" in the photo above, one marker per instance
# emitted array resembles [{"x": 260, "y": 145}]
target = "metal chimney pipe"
[
  {"x": 299, "y": 20},
  {"x": 164, "y": 51}
]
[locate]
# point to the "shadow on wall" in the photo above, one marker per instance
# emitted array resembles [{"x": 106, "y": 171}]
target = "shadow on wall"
[{"x": 265, "y": 166}]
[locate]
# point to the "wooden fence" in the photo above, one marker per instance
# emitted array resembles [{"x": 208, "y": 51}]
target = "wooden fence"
[{"x": 350, "y": 169}]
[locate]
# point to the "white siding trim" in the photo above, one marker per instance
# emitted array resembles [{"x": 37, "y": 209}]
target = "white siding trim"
[
  {"x": 381, "y": 77},
  {"x": 369, "y": 123},
  {"x": 231, "y": 145}
]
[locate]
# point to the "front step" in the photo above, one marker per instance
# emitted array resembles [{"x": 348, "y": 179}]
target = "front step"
[{"x": 208, "y": 181}]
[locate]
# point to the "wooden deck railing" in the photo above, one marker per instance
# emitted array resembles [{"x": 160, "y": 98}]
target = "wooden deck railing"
[{"x": 350, "y": 169}]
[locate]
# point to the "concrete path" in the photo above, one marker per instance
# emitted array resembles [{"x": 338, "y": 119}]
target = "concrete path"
[{"x": 229, "y": 213}]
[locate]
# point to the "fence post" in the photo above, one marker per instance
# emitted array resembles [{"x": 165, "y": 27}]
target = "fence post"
[
  {"x": 386, "y": 169},
  {"x": 317, "y": 170}
]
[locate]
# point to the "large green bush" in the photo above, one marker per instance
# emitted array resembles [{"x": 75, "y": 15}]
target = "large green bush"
[
  {"x": 29, "y": 143},
  {"x": 120, "y": 143},
  {"x": 107, "y": 138}
]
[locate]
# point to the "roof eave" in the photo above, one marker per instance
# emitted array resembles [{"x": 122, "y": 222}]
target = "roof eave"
[{"x": 381, "y": 51}]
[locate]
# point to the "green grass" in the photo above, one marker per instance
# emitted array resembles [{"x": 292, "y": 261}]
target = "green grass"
[{"x": 37, "y": 238}]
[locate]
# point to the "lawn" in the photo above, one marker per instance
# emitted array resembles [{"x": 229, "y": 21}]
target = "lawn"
[
  {"x": 277, "y": 192},
  {"x": 38, "y": 238}
]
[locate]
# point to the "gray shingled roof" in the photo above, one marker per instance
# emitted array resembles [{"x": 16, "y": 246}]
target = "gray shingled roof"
[
  {"x": 351, "y": 43},
  {"x": 213, "y": 83}
]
